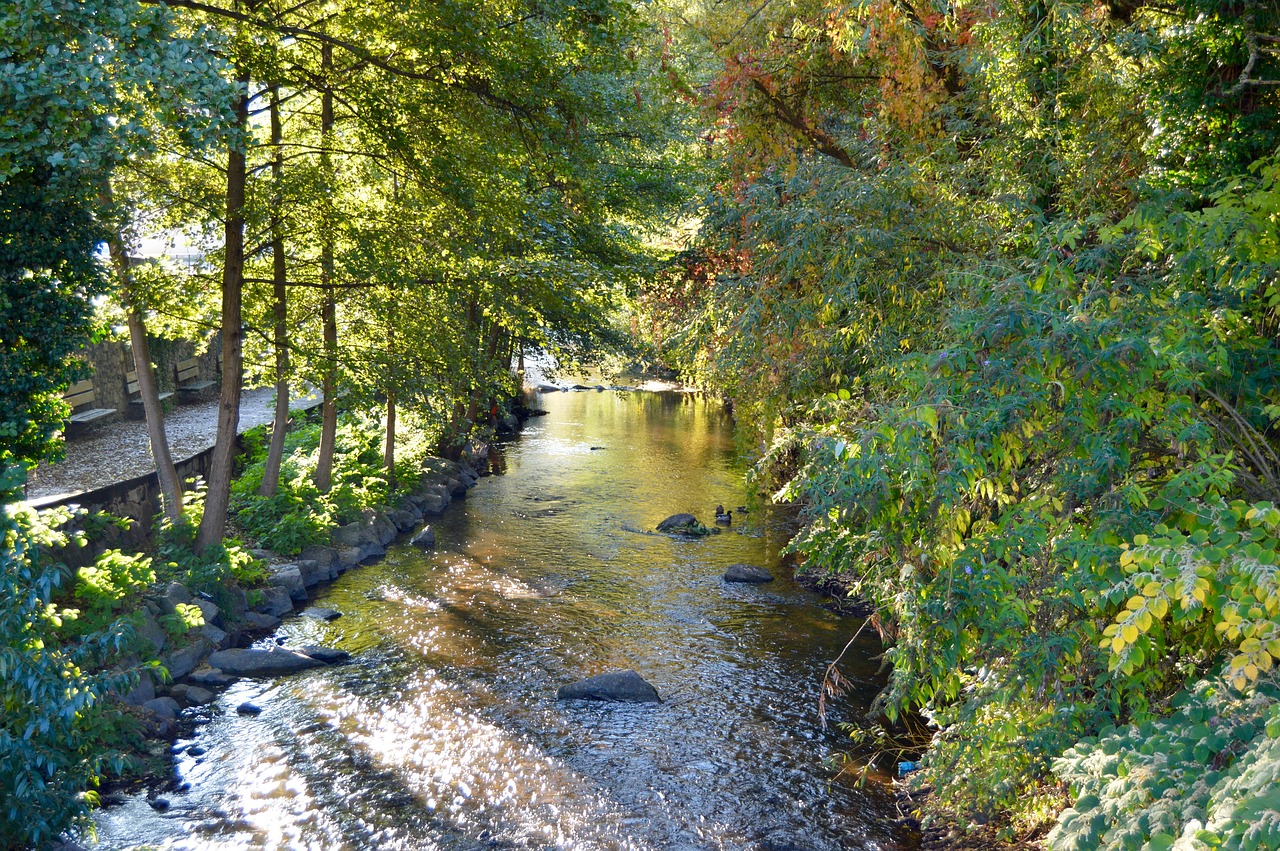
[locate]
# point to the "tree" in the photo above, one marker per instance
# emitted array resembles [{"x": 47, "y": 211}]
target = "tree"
[{"x": 72, "y": 79}]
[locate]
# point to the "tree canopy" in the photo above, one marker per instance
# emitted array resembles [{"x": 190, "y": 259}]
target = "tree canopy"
[{"x": 992, "y": 289}]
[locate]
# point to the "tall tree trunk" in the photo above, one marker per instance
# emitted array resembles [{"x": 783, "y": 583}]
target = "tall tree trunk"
[
  {"x": 329, "y": 311},
  {"x": 389, "y": 453},
  {"x": 280, "y": 312},
  {"x": 148, "y": 389},
  {"x": 214, "y": 523}
]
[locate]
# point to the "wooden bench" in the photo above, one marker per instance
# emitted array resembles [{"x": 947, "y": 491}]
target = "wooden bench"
[
  {"x": 81, "y": 397},
  {"x": 134, "y": 393},
  {"x": 189, "y": 377}
]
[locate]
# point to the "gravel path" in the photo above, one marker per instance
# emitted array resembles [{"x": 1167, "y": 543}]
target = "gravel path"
[{"x": 117, "y": 451}]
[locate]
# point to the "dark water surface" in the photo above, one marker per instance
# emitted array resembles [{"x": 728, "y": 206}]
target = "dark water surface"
[{"x": 444, "y": 732}]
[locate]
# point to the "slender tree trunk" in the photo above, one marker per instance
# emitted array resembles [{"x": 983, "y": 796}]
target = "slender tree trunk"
[
  {"x": 389, "y": 453},
  {"x": 148, "y": 389},
  {"x": 166, "y": 472},
  {"x": 280, "y": 311},
  {"x": 329, "y": 311},
  {"x": 214, "y": 523}
]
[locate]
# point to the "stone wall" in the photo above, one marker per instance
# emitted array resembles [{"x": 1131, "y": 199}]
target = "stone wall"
[
  {"x": 112, "y": 360},
  {"x": 136, "y": 499}
]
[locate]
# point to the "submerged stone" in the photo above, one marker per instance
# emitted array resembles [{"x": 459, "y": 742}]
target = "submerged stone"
[
  {"x": 747, "y": 573},
  {"x": 618, "y": 686},
  {"x": 321, "y": 614}
]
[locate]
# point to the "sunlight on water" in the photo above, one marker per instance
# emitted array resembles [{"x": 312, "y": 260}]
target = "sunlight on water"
[{"x": 444, "y": 731}]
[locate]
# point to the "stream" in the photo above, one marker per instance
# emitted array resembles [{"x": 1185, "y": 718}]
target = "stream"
[{"x": 444, "y": 731}]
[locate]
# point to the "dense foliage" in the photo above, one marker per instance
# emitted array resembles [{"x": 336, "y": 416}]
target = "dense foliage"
[
  {"x": 51, "y": 689},
  {"x": 298, "y": 514},
  {"x": 993, "y": 291}
]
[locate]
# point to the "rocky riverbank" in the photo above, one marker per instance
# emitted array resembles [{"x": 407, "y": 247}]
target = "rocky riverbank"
[{"x": 214, "y": 654}]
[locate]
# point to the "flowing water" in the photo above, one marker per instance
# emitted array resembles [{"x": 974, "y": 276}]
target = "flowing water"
[{"x": 444, "y": 732}]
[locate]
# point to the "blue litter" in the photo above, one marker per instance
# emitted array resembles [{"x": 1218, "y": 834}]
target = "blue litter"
[{"x": 905, "y": 768}]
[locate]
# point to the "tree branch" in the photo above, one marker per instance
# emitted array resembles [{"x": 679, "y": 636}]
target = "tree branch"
[{"x": 821, "y": 139}]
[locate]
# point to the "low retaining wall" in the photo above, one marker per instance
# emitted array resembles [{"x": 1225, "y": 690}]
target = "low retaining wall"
[{"x": 136, "y": 499}]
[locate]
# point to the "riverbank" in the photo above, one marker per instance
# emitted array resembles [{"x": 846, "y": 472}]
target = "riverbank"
[{"x": 916, "y": 803}]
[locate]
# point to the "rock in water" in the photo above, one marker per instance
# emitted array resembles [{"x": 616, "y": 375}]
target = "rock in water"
[
  {"x": 425, "y": 540},
  {"x": 328, "y": 655},
  {"x": 319, "y": 613},
  {"x": 260, "y": 662},
  {"x": 679, "y": 523},
  {"x": 620, "y": 686},
  {"x": 747, "y": 573}
]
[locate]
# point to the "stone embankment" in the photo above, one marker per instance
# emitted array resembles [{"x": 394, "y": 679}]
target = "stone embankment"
[{"x": 214, "y": 655}]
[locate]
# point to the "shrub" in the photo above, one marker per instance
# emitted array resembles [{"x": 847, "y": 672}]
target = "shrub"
[
  {"x": 1206, "y": 776},
  {"x": 298, "y": 514},
  {"x": 108, "y": 587},
  {"x": 50, "y": 701}
]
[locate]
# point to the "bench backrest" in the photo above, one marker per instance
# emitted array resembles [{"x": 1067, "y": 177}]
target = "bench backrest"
[
  {"x": 131, "y": 384},
  {"x": 188, "y": 370},
  {"x": 80, "y": 394}
]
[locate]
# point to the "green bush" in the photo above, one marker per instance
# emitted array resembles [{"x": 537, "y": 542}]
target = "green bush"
[
  {"x": 112, "y": 584},
  {"x": 298, "y": 514},
  {"x": 52, "y": 692},
  {"x": 1206, "y": 776}
]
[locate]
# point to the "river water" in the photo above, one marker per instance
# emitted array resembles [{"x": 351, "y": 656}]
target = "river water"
[{"x": 444, "y": 732}]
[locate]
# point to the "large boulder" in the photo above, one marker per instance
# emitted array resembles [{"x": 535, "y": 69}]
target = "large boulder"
[
  {"x": 313, "y": 574},
  {"x": 145, "y": 690},
  {"x": 184, "y": 660},
  {"x": 289, "y": 577},
  {"x": 351, "y": 556},
  {"x": 210, "y": 677},
  {"x": 404, "y": 520},
  {"x": 386, "y": 530},
  {"x": 209, "y": 609},
  {"x": 174, "y": 593},
  {"x": 191, "y": 695},
  {"x": 262, "y": 662},
  {"x": 441, "y": 466},
  {"x": 326, "y": 559},
  {"x": 431, "y": 501},
  {"x": 676, "y": 521},
  {"x": 747, "y": 573},
  {"x": 328, "y": 655},
  {"x": 276, "y": 601},
  {"x": 619, "y": 686},
  {"x": 151, "y": 631},
  {"x": 683, "y": 524},
  {"x": 357, "y": 534},
  {"x": 261, "y": 621},
  {"x": 216, "y": 636},
  {"x": 166, "y": 707}
]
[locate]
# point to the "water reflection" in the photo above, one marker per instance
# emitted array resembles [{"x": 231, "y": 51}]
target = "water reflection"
[{"x": 445, "y": 732}]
